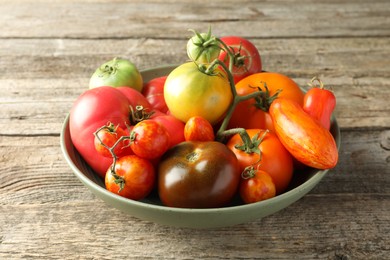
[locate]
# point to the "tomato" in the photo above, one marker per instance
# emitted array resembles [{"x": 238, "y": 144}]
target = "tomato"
[
  {"x": 198, "y": 175},
  {"x": 149, "y": 139},
  {"x": 135, "y": 98},
  {"x": 304, "y": 137},
  {"x": 203, "y": 47},
  {"x": 247, "y": 60},
  {"x": 190, "y": 92},
  {"x": 91, "y": 110},
  {"x": 257, "y": 187},
  {"x": 154, "y": 93},
  {"x": 319, "y": 103},
  {"x": 108, "y": 136},
  {"x": 274, "y": 159},
  {"x": 198, "y": 129},
  {"x": 253, "y": 113},
  {"x": 174, "y": 126},
  {"x": 133, "y": 177},
  {"x": 116, "y": 73}
]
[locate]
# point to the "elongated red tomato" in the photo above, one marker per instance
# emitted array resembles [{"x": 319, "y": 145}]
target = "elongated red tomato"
[
  {"x": 319, "y": 103},
  {"x": 304, "y": 137}
]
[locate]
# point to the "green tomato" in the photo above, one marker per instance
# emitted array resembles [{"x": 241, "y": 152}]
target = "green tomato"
[
  {"x": 203, "y": 47},
  {"x": 190, "y": 92},
  {"x": 117, "y": 73}
]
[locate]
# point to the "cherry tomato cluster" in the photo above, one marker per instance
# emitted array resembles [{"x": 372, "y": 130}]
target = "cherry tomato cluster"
[{"x": 214, "y": 128}]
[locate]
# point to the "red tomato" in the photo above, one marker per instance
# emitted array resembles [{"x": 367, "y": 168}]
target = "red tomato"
[
  {"x": 257, "y": 187},
  {"x": 253, "y": 113},
  {"x": 149, "y": 139},
  {"x": 93, "y": 109},
  {"x": 107, "y": 136},
  {"x": 198, "y": 129},
  {"x": 174, "y": 126},
  {"x": 304, "y": 137},
  {"x": 133, "y": 178},
  {"x": 275, "y": 159},
  {"x": 247, "y": 58},
  {"x": 320, "y": 103},
  {"x": 154, "y": 93},
  {"x": 198, "y": 175},
  {"x": 135, "y": 98}
]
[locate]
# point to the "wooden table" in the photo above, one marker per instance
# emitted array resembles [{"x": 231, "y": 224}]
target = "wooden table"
[{"x": 48, "y": 51}]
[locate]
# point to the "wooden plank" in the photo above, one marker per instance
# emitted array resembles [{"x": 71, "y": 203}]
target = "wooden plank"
[
  {"x": 46, "y": 212},
  {"x": 168, "y": 19}
]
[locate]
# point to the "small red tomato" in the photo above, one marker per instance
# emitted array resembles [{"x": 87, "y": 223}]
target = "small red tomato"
[
  {"x": 246, "y": 60},
  {"x": 319, "y": 103},
  {"x": 133, "y": 177},
  {"x": 149, "y": 139},
  {"x": 154, "y": 93},
  {"x": 107, "y": 136},
  {"x": 198, "y": 129},
  {"x": 256, "y": 187}
]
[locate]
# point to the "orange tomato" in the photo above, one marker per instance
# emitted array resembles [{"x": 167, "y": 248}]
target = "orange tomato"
[
  {"x": 304, "y": 137},
  {"x": 248, "y": 114},
  {"x": 198, "y": 128},
  {"x": 275, "y": 159},
  {"x": 257, "y": 188}
]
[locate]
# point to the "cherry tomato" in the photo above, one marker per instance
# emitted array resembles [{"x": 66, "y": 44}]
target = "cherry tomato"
[
  {"x": 274, "y": 159},
  {"x": 257, "y": 187},
  {"x": 303, "y": 136},
  {"x": 116, "y": 73},
  {"x": 247, "y": 60},
  {"x": 154, "y": 93},
  {"x": 190, "y": 92},
  {"x": 133, "y": 178},
  {"x": 319, "y": 103},
  {"x": 198, "y": 129},
  {"x": 107, "y": 136},
  {"x": 198, "y": 175},
  {"x": 253, "y": 113},
  {"x": 149, "y": 139}
]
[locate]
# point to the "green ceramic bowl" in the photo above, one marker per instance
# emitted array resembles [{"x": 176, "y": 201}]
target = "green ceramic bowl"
[{"x": 151, "y": 209}]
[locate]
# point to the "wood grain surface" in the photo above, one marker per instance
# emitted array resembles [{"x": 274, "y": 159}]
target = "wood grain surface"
[{"x": 48, "y": 51}]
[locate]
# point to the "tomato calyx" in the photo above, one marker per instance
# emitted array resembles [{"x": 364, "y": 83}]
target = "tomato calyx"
[
  {"x": 249, "y": 172},
  {"x": 203, "y": 47},
  {"x": 139, "y": 114},
  {"x": 263, "y": 101}
]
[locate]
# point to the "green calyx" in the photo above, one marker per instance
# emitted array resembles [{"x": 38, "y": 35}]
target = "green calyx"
[
  {"x": 264, "y": 100},
  {"x": 203, "y": 47}
]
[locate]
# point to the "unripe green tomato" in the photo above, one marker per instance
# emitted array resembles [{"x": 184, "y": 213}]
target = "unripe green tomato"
[{"x": 117, "y": 73}]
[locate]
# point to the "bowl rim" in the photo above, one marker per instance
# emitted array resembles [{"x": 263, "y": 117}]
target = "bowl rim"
[{"x": 302, "y": 188}]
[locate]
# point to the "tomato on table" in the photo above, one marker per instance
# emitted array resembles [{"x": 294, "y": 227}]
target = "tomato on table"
[
  {"x": 198, "y": 175},
  {"x": 267, "y": 154},
  {"x": 133, "y": 177},
  {"x": 253, "y": 113},
  {"x": 247, "y": 59}
]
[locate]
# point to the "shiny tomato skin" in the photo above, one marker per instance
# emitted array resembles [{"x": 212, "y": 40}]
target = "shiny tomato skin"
[
  {"x": 303, "y": 136},
  {"x": 249, "y": 61},
  {"x": 135, "y": 98},
  {"x": 109, "y": 136},
  {"x": 174, "y": 126},
  {"x": 246, "y": 114},
  {"x": 319, "y": 103},
  {"x": 198, "y": 175},
  {"x": 257, "y": 188},
  {"x": 149, "y": 139},
  {"x": 189, "y": 92},
  {"x": 138, "y": 175},
  {"x": 198, "y": 129},
  {"x": 154, "y": 93},
  {"x": 91, "y": 110},
  {"x": 275, "y": 159}
]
